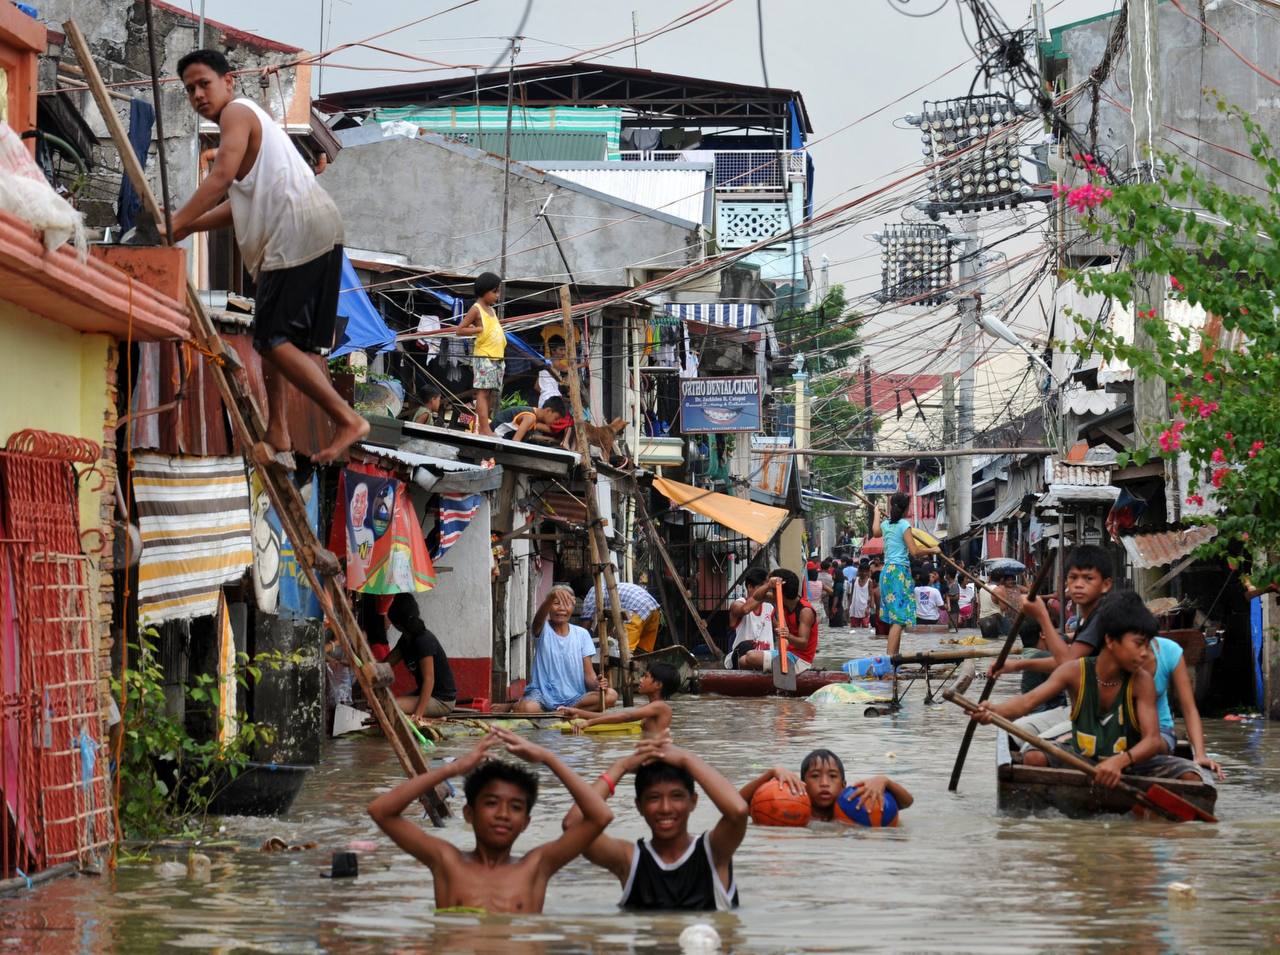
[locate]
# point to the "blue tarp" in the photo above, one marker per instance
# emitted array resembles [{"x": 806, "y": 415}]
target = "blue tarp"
[{"x": 365, "y": 327}]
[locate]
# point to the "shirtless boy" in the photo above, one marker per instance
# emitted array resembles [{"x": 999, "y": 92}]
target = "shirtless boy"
[
  {"x": 659, "y": 683},
  {"x": 500, "y": 799},
  {"x": 290, "y": 237}
]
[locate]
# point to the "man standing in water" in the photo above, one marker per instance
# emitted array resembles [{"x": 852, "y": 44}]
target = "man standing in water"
[
  {"x": 290, "y": 237},
  {"x": 671, "y": 870}
]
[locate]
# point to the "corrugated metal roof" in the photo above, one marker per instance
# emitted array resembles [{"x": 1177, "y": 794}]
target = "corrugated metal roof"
[
  {"x": 682, "y": 190},
  {"x": 533, "y": 145},
  {"x": 1164, "y": 547}
]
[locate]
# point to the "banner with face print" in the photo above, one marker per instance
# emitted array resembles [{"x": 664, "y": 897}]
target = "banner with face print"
[{"x": 384, "y": 547}]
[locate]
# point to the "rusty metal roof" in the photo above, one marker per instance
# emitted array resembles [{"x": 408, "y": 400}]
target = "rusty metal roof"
[{"x": 1164, "y": 547}]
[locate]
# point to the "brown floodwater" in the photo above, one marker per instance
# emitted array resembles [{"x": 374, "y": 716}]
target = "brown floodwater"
[{"x": 956, "y": 876}]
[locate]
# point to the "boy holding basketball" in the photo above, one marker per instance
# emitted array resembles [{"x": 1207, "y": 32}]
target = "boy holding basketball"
[
  {"x": 500, "y": 799},
  {"x": 671, "y": 870},
  {"x": 822, "y": 778},
  {"x": 659, "y": 683}
]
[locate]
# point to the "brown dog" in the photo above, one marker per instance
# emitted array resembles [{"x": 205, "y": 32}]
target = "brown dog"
[{"x": 603, "y": 436}]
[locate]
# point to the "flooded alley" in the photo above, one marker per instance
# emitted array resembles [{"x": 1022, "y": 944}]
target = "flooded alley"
[{"x": 954, "y": 877}]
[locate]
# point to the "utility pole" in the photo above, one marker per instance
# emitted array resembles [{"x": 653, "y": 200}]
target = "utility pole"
[
  {"x": 1150, "y": 398},
  {"x": 635, "y": 39},
  {"x": 868, "y": 421},
  {"x": 950, "y": 481},
  {"x": 506, "y": 178},
  {"x": 970, "y": 303},
  {"x": 801, "y": 381}
]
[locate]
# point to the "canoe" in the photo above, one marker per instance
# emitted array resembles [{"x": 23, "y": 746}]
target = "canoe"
[
  {"x": 754, "y": 683},
  {"x": 1031, "y": 790}
]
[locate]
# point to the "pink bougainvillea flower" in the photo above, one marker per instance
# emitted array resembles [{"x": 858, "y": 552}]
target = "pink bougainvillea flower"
[
  {"x": 1218, "y": 476},
  {"x": 1208, "y": 408},
  {"x": 1088, "y": 196},
  {"x": 1244, "y": 535},
  {"x": 1218, "y": 456},
  {"x": 1228, "y": 436},
  {"x": 1195, "y": 499},
  {"x": 1178, "y": 286}
]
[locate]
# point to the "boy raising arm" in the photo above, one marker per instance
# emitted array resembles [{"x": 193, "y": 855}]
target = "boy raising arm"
[
  {"x": 500, "y": 799},
  {"x": 672, "y": 870}
]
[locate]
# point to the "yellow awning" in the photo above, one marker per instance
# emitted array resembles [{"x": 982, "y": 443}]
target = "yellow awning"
[{"x": 759, "y": 522}]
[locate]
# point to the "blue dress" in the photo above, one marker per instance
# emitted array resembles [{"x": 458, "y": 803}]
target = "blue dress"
[{"x": 897, "y": 589}]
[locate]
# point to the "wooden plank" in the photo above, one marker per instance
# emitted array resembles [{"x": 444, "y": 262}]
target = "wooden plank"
[{"x": 248, "y": 424}]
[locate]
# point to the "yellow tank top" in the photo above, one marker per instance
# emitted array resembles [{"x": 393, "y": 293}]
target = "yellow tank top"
[{"x": 491, "y": 342}]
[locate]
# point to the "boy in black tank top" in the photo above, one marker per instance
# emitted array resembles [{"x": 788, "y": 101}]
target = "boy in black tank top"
[{"x": 671, "y": 869}]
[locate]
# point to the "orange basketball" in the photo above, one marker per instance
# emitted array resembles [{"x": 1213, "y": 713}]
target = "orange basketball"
[{"x": 774, "y": 804}]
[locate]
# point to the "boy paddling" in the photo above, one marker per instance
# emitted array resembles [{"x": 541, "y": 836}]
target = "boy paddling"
[
  {"x": 290, "y": 237},
  {"x": 500, "y": 798},
  {"x": 672, "y": 869},
  {"x": 1113, "y": 701}
]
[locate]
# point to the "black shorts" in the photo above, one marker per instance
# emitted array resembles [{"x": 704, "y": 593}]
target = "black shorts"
[{"x": 298, "y": 305}]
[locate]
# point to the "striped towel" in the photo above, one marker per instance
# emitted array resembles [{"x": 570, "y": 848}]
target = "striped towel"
[
  {"x": 193, "y": 514},
  {"x": 456, "y": 512}
]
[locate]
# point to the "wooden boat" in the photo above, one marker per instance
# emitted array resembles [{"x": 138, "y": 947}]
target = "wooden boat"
[
  {"x": 1030, "y": 790},
  {"x": 686, "y": 665},
  {"x": 261, "y": 789},
  {"x": 755, "y": 683}
]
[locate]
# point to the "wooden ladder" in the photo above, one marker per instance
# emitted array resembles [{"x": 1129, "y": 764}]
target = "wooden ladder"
[{"x": 320, "y": 565}]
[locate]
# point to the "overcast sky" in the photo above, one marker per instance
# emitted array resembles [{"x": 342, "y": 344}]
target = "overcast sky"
[{"x": 846, "y": 57}]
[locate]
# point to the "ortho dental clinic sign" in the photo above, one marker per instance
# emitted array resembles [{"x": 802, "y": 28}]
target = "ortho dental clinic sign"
[{"x": 710, "y": 405}]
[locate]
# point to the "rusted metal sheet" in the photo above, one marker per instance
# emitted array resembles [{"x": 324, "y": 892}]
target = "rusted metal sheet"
[
  {"x": 309, "y": 426},
  {"x": 563, "y": 506},
  {"x": 1164, "y": 547}
]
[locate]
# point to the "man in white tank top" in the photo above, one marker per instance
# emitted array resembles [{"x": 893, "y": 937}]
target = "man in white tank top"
[
  {"x": 751, "y": 619},
  {"x": 290, "y": 237}
]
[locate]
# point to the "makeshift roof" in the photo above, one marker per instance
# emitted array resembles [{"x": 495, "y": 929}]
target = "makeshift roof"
[
  {"x": 759, "y": 522},
  {"x": 659, "y": 99}
]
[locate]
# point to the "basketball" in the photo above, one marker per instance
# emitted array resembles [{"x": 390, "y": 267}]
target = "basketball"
[
  {"x": 774, "y": 804},
  {"x": 848, "y": 811}
]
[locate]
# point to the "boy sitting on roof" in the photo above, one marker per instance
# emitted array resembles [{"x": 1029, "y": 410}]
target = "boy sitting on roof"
[{"x": 1113, "y": 701}]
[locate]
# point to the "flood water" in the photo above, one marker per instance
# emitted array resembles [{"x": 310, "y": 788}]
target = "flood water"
[{"x": 955, "y": 877}]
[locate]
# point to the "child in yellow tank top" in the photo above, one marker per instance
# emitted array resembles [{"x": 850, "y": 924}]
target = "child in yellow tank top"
[{"x": 487, "y": 357}]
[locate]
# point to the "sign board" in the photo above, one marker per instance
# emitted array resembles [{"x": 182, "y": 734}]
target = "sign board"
[
  {"x": 879, "y": 482},
  {"x": 720, "y": 405}
]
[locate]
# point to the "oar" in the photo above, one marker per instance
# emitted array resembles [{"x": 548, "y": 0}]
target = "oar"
[
  {"x": 784, "y": 676},
  {"x": 1156, "y": 798},
  {"x": 958, "y": 768}
]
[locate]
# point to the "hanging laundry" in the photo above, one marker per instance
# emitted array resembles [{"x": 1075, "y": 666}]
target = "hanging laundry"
[
  {"x": 375, "y": 526},
  {"x": 193, "y": 514}
]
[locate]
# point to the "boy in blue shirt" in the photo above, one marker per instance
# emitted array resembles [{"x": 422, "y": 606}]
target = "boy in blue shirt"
[{"x": 563, "y": 674}]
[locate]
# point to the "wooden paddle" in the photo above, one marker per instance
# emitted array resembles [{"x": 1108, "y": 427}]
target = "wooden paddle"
[
  {"x": 1155, "y": 799},
  {"x": 958, "y": 768},
  {"x": 784, "y": 676}
]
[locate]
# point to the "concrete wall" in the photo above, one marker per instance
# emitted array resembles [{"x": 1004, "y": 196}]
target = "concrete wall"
[
  {"x": 116, "y": 31},
  {"x": 440, "y": 204},
  {"x": 1190, "y": 61},
  {"x": 459, "y": 611}
]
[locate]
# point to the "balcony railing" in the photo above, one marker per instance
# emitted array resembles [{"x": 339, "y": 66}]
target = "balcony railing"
[{"x": 737, "y": 170}]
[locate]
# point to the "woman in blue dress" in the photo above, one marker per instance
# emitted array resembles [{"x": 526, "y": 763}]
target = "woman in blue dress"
[{"x": 897, "y": 588}]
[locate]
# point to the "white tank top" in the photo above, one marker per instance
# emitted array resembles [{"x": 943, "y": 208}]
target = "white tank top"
[
  {"x": 756, "y": 628},
  {"x": 282, "y": 217},
  {"x": 861, "y": 600}
]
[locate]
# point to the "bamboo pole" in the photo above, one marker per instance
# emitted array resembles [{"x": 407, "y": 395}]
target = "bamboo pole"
[{"x": 596, "y": 544}]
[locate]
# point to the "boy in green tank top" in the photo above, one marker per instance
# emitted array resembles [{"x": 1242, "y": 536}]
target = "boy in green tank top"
[{"x": 1114, "y": 721}]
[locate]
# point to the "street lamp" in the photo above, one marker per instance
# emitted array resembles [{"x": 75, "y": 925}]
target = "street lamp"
[{"x": 984, "y": 170}]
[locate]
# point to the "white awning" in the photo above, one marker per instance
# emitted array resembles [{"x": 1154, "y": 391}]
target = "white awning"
[{"x": 724, "y": 314}]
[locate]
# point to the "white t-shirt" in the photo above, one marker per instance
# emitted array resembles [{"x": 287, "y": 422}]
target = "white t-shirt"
[
  {"x": 548, "y": 387},
  {"x": 860, "y": 601},
  {"x": 966, "y": 595},
  {"x": 928, "y": 603}
]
